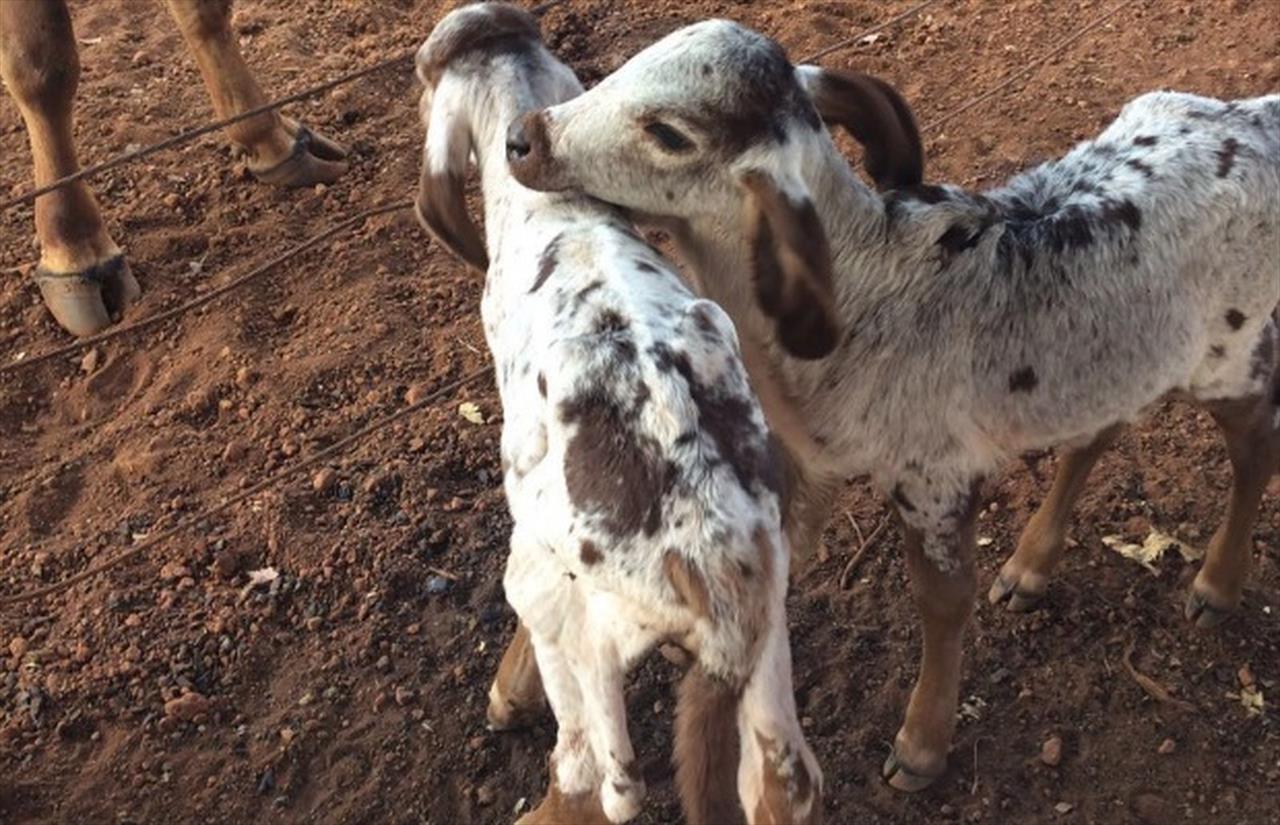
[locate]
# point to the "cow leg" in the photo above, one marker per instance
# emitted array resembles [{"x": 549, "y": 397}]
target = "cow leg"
[
  {"x": 82, "y": 274},
  {"x": 280, "y": 151}
]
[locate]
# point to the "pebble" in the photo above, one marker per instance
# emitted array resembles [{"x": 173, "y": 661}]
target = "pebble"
[
  {"x": 1064, "y": 808},
  {"x": 235, "y": 451},
  {"x": 415, "y": 394},
  {"x": 484, "y": 795},
  {"x": 245, "y": 377},
  {"x": 437, "y": 585},
  {"x": 324, "y": 480},
  {"x": 90, "y": 361},
  {"x": 172, "y": 200},
  {"x": 1245, "y": 675},
  {"x": 1152, "y": 810},
  {"x": 404, "y": 696},
  {"x": 226, "y": 564},
  {"x": 313, "y": 623},
  {"x": 186, "y": 707},
  {"x": 174, "y": 570},
  {"x": 1168, "y": 746},
  {"x": 17, "y": 646},
  {"x": 384, "y": 663},
  {"x": 1051, "y": 751}
]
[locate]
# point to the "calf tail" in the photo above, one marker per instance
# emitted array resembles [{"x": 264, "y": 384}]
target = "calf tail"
[{"x": 707, "y": 748}]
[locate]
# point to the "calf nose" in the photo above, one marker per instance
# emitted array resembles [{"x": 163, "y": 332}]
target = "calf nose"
[{"x": 518, "y": 144}]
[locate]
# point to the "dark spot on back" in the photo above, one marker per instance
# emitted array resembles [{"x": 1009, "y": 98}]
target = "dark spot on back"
[
  {"x": 542, "y": 384},
  {"x": 547, "y": 262},
  {"x": 1235, "y": 318},
  {"x": 1145, "y": 140},
  {"x": 589, "y": 553},
  {"x": 901, "y": 498},
  {"x": 645, "y": 266},
  {"x": 1141, "y": 167},
  {"x": 1227, "y": 156},
  {"x": 1124, "y": 212},
  {"x": 1218, "y": 351},
  {"x": 670, "y": 195},
  {"x": 706, "y": 70},
  {"x": 1024, "y": 380}
]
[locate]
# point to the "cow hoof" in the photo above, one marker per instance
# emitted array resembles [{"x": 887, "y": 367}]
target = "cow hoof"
[
  {"x": 87, "y": 302},
  {"x": 314, "y": 159},
  {"x": 905, "y": 778},
  {"x": 1203, "y": 613},
  {"x": 1016, "y": 599}
]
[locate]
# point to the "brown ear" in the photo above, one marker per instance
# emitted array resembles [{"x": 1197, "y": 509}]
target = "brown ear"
[
  {"x": 441, "y": 208},
  {"x": 441, "y": 205},
  {"x": 791, "y": 262},
  {"x": 877, "y": 117}
]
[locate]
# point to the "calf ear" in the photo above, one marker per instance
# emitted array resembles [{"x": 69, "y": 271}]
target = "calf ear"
[
  {"x": 441, "y": 205},
  {"x": 877, "y": 116},
  {"x": 791, "y": 266}
]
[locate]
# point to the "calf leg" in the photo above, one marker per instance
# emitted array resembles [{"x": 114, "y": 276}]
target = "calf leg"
[
  {"x": 1025, "y": 576},
  {"x": 603, "y": 673},
  {"x": 280, "y": 150},
  {"x": 779, "y": 780},
  {"x": 1253, "y": 444},
  {"x": 943, "y": 582},
  {"x": 516, "y": 696},
  {"x": 82, "y": 275}
]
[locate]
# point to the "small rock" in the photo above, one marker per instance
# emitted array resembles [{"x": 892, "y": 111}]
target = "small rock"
[
  {"x": 484, "y": 795},
  {"x": 1051, "y": 751},
  {"x": 226, "y": 564},
  {"x": 1064, "y": 808},
  {"x": 172, "y": 200},
  {"x": 384, "y": 662},
  {"x": 90, "y": 361},
  {"x": 1245, "y": 675},
  {"x": 187, "y": 707},
  {"x": 267, "y": 782},
  {"x": 287, "y": 735},
  {"x": 313, "y": 623},
  {"x": 83, "y": 652},
  {"x": 1151, "y": 809},
  {"x": 133, "y": 620},
  {"x": 404, "y": 696},
  {"x": 324, "y": 480},
  {"x": 1168, "y": 746},
  {"x": 437, "y": 585},
  {"x": 235, "y": 451},
  {"x": 245, "y": 377},
  {"x": 415, "y": 394},
  {"x": 174, "y": 570},
  {"x": 17, "y": 646}
]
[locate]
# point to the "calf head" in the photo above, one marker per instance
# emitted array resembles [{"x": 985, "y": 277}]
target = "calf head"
[{"x": 713, "y": 120}]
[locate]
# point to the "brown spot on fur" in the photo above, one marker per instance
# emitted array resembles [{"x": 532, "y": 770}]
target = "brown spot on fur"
[
  {"x": 542, "y": 384},
  {"x": 688, "y": 583},
  {"x": 706, "y": 748},
  {"x": 1140, "y": 167},
  {"x": 1145, "y": 140},
  {"x": 1218, "y": 351},
  {"x": 589, "y": 553},
  {"x": 781, "y": 797},
  {"x": 1227, "y": 156},
  {"x": 1023, "y": 380},
  {"x": 547, "y": 262},
  {"x": 611, "y": 470},
  {"x": 1235, "y": 318}
]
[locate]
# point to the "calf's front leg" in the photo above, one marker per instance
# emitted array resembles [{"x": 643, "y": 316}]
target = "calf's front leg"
[{"x": 940, "y": 563}]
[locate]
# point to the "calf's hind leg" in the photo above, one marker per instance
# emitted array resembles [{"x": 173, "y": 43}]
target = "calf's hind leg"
[
  {"x": 1025, "y": 576},
  {"x": 516, "y": 697},
  {"x": 83, "y": 278},
  {"x": 1253, "y": 445}
]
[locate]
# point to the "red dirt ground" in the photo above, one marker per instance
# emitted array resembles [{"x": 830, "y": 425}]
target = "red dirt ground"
[{"x": 353, "y": 689}]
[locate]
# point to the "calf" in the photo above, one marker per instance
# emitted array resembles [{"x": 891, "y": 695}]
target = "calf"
[
  {"x": 642, "y": 481},
  {"x": 925, "y": 334}
]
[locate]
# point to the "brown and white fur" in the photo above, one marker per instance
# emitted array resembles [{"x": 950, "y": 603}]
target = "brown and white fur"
[
  {"x": 640, "y": 474},
  {"x": 1051, "y": 311},
  {"x": 82, "y": 274}
]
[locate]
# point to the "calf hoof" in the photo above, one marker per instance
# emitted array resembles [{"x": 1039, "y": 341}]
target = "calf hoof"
[
  {"x": 506, "y": 714},
  {"x": 87, "y": 302},
  {"x": 908, "y": 779},
  {"x": 621, "y": 801},
  {"x": 314, "y": 159},
  {"x": 1016, "y": 596},
  {"x": 1201, "y": 610}
]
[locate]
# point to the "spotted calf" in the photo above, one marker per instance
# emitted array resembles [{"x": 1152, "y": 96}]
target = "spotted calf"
[
  {"x": 643, "y": 483},
  {"x": 968, "y": 326}
]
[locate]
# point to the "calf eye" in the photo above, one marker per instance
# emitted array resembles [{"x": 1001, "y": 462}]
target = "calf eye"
[{"x": 670, "y": 138}]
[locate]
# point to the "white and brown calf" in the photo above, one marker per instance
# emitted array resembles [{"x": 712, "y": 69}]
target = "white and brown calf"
[
  {"x": 83, "y": 276},
  {"x": 954, "y": 329},
  {"x": 640, "y": 474}
]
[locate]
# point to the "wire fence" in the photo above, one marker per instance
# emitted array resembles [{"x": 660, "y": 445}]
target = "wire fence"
[{"x": 284, "y": 474}]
